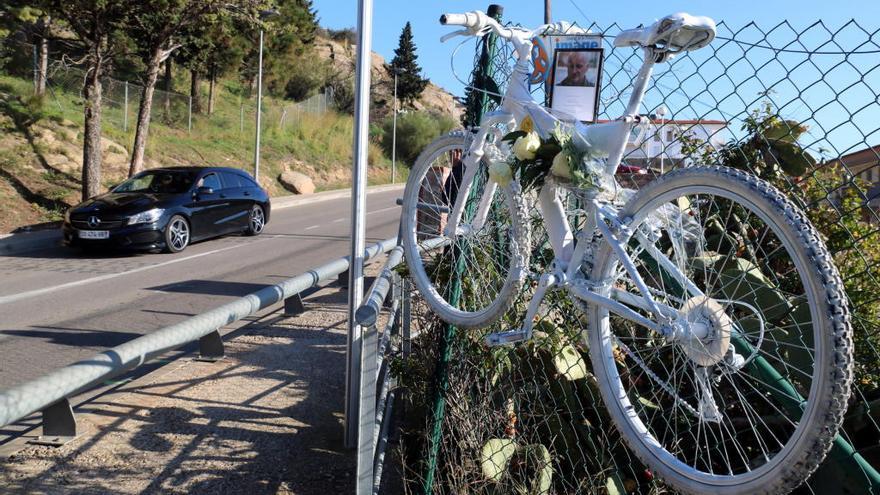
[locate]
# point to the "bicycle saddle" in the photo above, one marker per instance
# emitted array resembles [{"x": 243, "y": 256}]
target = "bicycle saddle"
[{"x": 675, "y": 32}]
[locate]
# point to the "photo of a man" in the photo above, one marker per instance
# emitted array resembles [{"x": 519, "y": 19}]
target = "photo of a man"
[
  {"x": 576, "y": 79},
  {"x": 580, "y": 69}
]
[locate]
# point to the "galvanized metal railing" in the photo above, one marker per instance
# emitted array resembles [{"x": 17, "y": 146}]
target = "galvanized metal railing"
[
  {"x": 50, "y": 393},
  {"x": 377, "y": 386}
]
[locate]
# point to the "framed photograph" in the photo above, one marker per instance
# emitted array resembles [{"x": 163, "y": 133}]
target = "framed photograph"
[{"x": 575, "y": 82}]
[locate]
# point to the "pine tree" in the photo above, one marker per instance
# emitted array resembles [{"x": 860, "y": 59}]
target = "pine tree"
[
  {"x": 473, "y": 102},
  {"x": 410, "y": 83}
]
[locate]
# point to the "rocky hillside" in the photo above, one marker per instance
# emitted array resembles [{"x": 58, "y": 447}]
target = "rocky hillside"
[{"x": 342, "y": 56}]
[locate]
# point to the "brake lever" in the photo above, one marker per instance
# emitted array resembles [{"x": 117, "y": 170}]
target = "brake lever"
[
  {"x": 465, "y": 32},
  {"x": 447, "y": 37}
]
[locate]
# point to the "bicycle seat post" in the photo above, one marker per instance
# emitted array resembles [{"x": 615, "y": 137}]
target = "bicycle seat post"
[{"x": 640, "y": 85}]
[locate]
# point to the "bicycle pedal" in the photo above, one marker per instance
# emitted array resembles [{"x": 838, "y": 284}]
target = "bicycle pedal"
[{"x": 503, "y": 338}]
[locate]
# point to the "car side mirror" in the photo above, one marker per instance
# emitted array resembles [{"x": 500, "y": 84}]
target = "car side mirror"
[{"x": 204, "y": 190}]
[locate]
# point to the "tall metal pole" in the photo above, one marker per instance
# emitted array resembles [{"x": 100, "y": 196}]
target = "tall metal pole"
[
  {"x": 259, "y": 108},
  {"x": 394, "y": 132},
  {"x": 36, "y": 70},
  {"x": 361, "y": 367},
  {"x": 353, "y": 385},
  {"x": 189, "y": 115},
  {"x": 547, "y": 16},
  {"x": 125, "y": 110}
]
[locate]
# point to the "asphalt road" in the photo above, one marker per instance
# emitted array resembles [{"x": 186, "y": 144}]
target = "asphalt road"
[{"x": 59, "y": 305}]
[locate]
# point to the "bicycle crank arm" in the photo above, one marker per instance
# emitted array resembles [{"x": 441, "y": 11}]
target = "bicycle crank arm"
[
  {"x": 503, "y": 338},
  {"x": 547, "y": 281}
]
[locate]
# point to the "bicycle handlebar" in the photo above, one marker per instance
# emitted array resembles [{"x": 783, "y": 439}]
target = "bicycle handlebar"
[
  {"x": 478, "y": 23},
  {"x": 456, "y": 19}
]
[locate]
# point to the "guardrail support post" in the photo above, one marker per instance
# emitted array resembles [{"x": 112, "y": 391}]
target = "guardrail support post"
[
  {"x": 211, "y": 347},
  {"x": 406, "y": 317},
  {"x": 395, "y": 295},
  {"x": 59, "y": 424},
  {"x": 293, "y": 306}
]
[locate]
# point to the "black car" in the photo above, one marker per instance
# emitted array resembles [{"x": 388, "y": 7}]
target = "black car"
[{"x": 168, "y": 208}]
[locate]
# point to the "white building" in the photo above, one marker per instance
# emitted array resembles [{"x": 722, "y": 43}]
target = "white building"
[{"x": 660, "y": 145}]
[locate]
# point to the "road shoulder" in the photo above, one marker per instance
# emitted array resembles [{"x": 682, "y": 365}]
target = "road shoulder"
[{"x": 266, "y": 419}]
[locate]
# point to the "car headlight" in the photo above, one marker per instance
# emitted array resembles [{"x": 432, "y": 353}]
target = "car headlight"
[{"x": 148, "y": 216}]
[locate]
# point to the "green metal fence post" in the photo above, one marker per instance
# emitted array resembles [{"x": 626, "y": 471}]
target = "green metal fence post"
[
  {"x": 850, "y": 466},
  {"x": 442, "y": 371}
]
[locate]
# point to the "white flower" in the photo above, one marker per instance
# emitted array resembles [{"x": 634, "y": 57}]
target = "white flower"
[
  {"x": 526, "y": 146},
  {"x": 500, "y": 173},
  {"x": 561, "y": 167}
]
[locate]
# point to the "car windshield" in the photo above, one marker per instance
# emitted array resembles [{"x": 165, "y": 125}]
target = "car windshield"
[{"x": 158, "y": 181}]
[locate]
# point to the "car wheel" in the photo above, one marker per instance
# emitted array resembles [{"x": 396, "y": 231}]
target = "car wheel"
[
  {"x": 256, "y": 221},
  {"x": 177, "y": 234}
]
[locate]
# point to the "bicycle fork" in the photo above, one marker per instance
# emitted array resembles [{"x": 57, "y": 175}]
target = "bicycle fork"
[{"x": 471, "y": 161}]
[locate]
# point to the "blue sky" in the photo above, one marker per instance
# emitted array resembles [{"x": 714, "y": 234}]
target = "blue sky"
[
  {"x": 824, "y": 92},
  {"x": 389, "y": 17}
]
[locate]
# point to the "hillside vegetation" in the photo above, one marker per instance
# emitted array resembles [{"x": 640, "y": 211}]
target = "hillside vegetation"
[{"x": 41, "y": 140}]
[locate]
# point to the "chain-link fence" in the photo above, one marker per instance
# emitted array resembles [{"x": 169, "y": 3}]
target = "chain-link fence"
[
  {"x": 121, "y": 99},
  {"x": 797, "y": 106},
  {"x": 283, "y": 116}
]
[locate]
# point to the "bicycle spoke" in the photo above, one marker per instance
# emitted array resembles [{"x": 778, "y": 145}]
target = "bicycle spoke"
[{"x": 723, "y": 417}]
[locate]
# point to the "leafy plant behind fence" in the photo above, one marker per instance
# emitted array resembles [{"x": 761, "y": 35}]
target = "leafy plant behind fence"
[{"x": 800, "y": 104}]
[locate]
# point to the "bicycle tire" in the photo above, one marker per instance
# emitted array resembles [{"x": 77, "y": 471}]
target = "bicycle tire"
[
  {"x": 491, "y": 263},
  {"x": 746, "y": 415}
]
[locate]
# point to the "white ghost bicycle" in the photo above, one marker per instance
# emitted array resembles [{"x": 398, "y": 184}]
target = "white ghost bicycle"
[{"x": 717, "y": 324}]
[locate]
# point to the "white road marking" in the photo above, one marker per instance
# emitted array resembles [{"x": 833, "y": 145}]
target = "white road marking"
[
  {"x": 77, "y": 283},
  {"x": 339, "y": 220},
  {"x": 310, "y": 227},
  {"x": 383, "y": 210}
]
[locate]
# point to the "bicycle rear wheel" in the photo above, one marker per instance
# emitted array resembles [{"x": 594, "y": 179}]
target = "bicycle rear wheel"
[
  {"x": 747, "y": 396},
  {"x": 468, "y": 279}
]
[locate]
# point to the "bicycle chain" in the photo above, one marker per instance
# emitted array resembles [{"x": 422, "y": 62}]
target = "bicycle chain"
[{"x": 665, "y": 386}]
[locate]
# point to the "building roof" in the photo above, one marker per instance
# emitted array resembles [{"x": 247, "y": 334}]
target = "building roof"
[
  {"x": 867, "y": 156},
  {"x": 680, "y": 122},
  {"x": 690, "y": 122},
  {"x": 858, "y": 161}
]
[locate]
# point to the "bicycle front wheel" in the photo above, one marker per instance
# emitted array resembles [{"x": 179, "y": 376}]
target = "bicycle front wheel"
[
  {"x": 746, "y": 392},
  {"x": 468, "y": 279}
]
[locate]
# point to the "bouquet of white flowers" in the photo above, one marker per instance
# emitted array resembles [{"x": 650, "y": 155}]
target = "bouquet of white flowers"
[{"x": 534, "y": 157}]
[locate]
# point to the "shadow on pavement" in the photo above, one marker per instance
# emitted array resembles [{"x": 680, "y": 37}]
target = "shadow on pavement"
[
  {"x": 75, "y": 336},
  {"x": 265, "y": 420},
  {"x": 210, "y": 287}
]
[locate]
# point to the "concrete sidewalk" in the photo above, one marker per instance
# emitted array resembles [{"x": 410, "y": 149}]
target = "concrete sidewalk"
[{"x": 266, "y": 419}]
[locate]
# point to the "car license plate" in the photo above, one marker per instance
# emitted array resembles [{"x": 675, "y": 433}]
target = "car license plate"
[{"x": 94, "y": 234}]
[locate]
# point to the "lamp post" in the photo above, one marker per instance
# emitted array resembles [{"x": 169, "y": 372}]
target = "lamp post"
[
  {"x": 661, "y": 112},
  {"x": 396, "y": 72},
  {"x": 264, "y": 15}
]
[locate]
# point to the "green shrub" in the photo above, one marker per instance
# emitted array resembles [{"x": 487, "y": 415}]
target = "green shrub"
[
  {"x": 377, "y": 133},
  {"x": 843, "y": 221},
  {"x": 311, "y": 75},
  {"x": 415, "y": 130},
  {"x": 343, "y": 92}
]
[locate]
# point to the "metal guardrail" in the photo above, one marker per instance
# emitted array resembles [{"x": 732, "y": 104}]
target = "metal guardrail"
[
  {"x": 50, "y": 392},
  {"x": 367, "y": 314},
  {"x": 376, "y": 401}
]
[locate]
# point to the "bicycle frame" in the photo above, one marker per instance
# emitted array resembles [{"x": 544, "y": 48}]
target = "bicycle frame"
[{"x": 611, "y": 139}]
